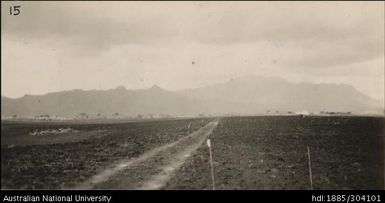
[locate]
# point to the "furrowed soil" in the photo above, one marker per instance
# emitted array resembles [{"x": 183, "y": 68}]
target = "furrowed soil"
[
  {"x": 152, "y": 169},
  {"x": 270, "y": 152},
  {"x": 59, "y": 161}
]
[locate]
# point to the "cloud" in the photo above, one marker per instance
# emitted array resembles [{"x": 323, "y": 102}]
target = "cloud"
[{"x": 105, "y": 44}]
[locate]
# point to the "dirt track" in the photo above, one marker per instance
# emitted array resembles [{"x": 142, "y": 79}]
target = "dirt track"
[{"x": 152, "y": 169}]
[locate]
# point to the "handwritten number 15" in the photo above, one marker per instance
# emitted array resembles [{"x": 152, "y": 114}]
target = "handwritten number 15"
[{"x": 14, "y": 10}]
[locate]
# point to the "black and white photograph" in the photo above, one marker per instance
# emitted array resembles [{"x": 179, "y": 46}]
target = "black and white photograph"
[{"x": 193, "y": 95}]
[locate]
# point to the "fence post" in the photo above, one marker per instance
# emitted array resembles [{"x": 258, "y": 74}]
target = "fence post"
[
  {"x": 211, "y": 163},
  {"x": 310, "y": 173}
]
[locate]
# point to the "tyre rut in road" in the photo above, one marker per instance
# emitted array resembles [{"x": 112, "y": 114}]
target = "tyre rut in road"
[{"x": 152, "y": 169}]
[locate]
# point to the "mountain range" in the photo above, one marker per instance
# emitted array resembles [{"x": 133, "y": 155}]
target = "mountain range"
[{"x": 245, "y": 95}]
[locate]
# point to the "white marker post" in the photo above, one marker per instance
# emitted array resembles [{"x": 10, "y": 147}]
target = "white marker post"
[
  {"x": 310, "y": 174},
  {"x": 211, "y": 163}
]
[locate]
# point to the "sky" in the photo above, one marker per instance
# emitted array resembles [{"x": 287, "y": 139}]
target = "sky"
[{"x": 56, "y": 46}]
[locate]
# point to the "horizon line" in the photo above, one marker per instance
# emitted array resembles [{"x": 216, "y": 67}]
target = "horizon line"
[{"x": 188, "y": 88}]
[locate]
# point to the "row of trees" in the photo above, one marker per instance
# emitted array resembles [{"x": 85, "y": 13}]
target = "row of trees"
[
  {"x": 99, "y": 115},
  {"x": 86, "y": 116}
]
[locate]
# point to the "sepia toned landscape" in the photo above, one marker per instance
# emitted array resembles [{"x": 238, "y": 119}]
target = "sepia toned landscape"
[{"x": 192, "y": 95}]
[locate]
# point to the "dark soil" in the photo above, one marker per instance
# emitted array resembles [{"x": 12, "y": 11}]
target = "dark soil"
[
  {"x": 271, "y": 153},
  {"x": 35, "y": 164}
]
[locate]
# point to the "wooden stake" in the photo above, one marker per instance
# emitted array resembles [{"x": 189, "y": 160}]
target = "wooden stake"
[
  {"x": 310, "y": 174},
  {"x": 211, "y": 163}
]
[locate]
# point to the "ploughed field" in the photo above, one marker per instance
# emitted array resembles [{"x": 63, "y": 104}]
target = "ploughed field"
[
  {"x": 265, "y": 152},
  {"x": 271, "y": 153},
  {"x": 49, "y": 155}
]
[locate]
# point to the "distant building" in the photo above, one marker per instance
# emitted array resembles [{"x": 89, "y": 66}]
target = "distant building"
[
  {"x": 304, "y": 112},
  {"x": 43, "y": 117}
]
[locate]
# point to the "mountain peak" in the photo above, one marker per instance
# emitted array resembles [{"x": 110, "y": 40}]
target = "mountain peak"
[
  {"x": 243, "y": 95},
  {"x": 120, "y": 88},
  {"x": 155, "y": 87}
]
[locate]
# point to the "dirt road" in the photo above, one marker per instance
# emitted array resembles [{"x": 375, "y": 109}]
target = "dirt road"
[{"x": 152, "y": 169}]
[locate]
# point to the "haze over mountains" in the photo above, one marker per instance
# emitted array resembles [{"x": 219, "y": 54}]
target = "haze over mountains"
[{"x": 246, "y": 95}]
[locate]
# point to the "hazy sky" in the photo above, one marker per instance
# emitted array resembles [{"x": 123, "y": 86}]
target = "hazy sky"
[{"x": 53, "y": 46}]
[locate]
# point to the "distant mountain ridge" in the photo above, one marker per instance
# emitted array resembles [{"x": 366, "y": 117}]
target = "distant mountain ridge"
[{"x": 254, "y": 94}]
